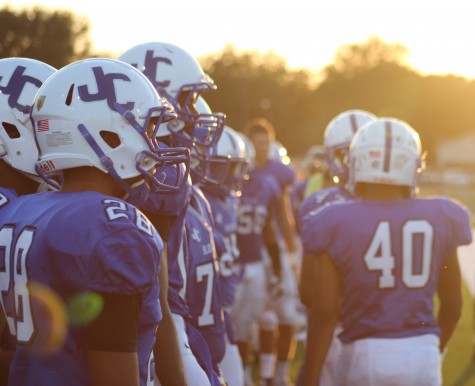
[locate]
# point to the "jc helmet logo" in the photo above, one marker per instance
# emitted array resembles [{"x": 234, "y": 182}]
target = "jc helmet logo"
[
  {"x": 105, "y": 89},
  {"x": 15, "y": 87}
]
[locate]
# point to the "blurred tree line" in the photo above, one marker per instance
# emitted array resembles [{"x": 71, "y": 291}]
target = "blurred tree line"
[
  {"x": 372, "y": 76},
  {"x": 54, "y": 37}
]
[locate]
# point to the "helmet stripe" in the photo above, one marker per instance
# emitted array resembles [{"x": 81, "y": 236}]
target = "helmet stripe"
[
  {"x": 354, "y": 123},
  {"x": 387, "y": 146}
]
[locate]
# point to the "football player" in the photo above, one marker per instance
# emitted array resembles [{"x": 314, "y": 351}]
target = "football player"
[
  {"x": 178, "y": 76},
  {"x": 380, "y": 261},
  {"x": 226, "y": 165},
  {"x": 337, "y": 138},
  {"x": 336, "y": 141},
  {"x": 258, "y": 202},
  {"x": 281, "y": 302},
  {"x": 20, "y": 79},
  {"x": 84, "y": 250},
  {"x": 205, "y": 246}
]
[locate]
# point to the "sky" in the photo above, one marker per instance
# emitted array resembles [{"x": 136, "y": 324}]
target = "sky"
[{"x": 439, "y": 35}]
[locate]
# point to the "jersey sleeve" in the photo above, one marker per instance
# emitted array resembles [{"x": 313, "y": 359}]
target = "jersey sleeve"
[
  {"x": 6, "y": 196},
  {"x": 219, "y": 242},
  {"x": 290, "y": 175},
  {"x": 316, "y": 231},
  {"x": 460, "y": 220},
  {"x": 124, "y": 263},
  {"x": 286, "y": 174}
]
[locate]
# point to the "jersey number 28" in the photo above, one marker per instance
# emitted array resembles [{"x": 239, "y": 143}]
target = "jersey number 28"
[{"x": 21, "y": 323}]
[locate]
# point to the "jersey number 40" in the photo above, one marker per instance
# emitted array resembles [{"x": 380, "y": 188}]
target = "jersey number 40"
[{"x": 379, "y": 255}]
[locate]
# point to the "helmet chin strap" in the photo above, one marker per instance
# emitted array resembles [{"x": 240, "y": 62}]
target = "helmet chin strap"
[{"x": 138, "y": 192}]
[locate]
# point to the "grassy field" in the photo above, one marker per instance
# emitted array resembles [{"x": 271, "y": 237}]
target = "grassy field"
[{"x": 458, "y": 369}]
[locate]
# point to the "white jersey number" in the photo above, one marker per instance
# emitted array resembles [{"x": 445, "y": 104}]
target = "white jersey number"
[
  {"x": 21, "y": 323},
  {"x": 206, "y": 270},
  {"x": 251, "y": 219},
  {"x": 227, "y": 259},
  {"x": 379, "y": 255},
  {"x": 119, "y": 209}
]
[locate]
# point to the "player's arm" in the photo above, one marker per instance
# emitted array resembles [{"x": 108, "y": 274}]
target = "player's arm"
[
  {"x": 286, "y": 220},
  {"x": 323, "y": 317},
  {"x": 272, "y": 246},
  {"x": 6, "y": 356},
  {"x": 3, "y": 322},
  {"x": 111, "y": 341},
  {"x": 168, "y": 363},
  {"x": 307, "y": 280},
  {"x": 449, "y": 292}
]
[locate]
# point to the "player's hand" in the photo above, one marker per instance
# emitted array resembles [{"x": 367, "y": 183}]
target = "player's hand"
[{"x": 276, "y": 288}]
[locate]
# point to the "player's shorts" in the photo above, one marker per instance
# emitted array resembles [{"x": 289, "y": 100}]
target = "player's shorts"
[
  {"x": 250, "y": 299},
  {"x": 231, "y": 365},
  {"x": 283, "y": 301},
  {"x": 413, "y": 361},
  {"x": 194, "y": 374}
]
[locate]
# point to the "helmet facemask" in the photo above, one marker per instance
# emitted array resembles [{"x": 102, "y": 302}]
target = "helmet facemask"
[{"x": 194, "y": 126}]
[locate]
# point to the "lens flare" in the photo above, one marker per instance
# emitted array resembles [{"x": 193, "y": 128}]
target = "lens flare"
[
  {"x": 84, "y": 308},
  {"x": 50, "y": 319}
]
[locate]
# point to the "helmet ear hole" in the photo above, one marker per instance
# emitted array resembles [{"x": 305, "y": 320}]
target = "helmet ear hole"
[
  {"x": 11, "y": 130},
  {"x": 69, "y": 97},
  {"x": 112, "y": 139}
]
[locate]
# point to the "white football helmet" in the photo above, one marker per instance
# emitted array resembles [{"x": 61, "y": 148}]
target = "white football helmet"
[
  {"x": 278, "y": 152},
  {"x": 20, "y": 79},
  {"x": 198, "y": 156},
  {"x": 101, "y": 113},
  {"x": 178, "y": 77},
  {"x": 250, "y": 152},
  {"x": 225, "y": 164},
  {"x": 386, "y": 151},
  {"x": 337, "y": 139}
]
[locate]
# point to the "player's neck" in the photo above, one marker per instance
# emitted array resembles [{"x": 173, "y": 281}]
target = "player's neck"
[
  {"x": 89, "y": 179},
  {"x": 382, "y": 192},
  {"x": 14, "y": 179},
  {"x": 260, "y": 162}
]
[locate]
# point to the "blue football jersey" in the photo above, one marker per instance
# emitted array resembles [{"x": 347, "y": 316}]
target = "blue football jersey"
[
  {"x": 175, "y": 206},
  {"x": 321, "y": 199},
  {"x": 7, "y": 341},
  {"x": 74, "y": 244},
  {"x": 257, "y": 204},
  {"x": 225, "y": 212},
  {"x": 284, "y": 174},
  {"x": 6, "y": 196},
  {"x": 203, "y": 285},
  {"x": 388, "y": 255},
  {"x": 177, "y": 266}
]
